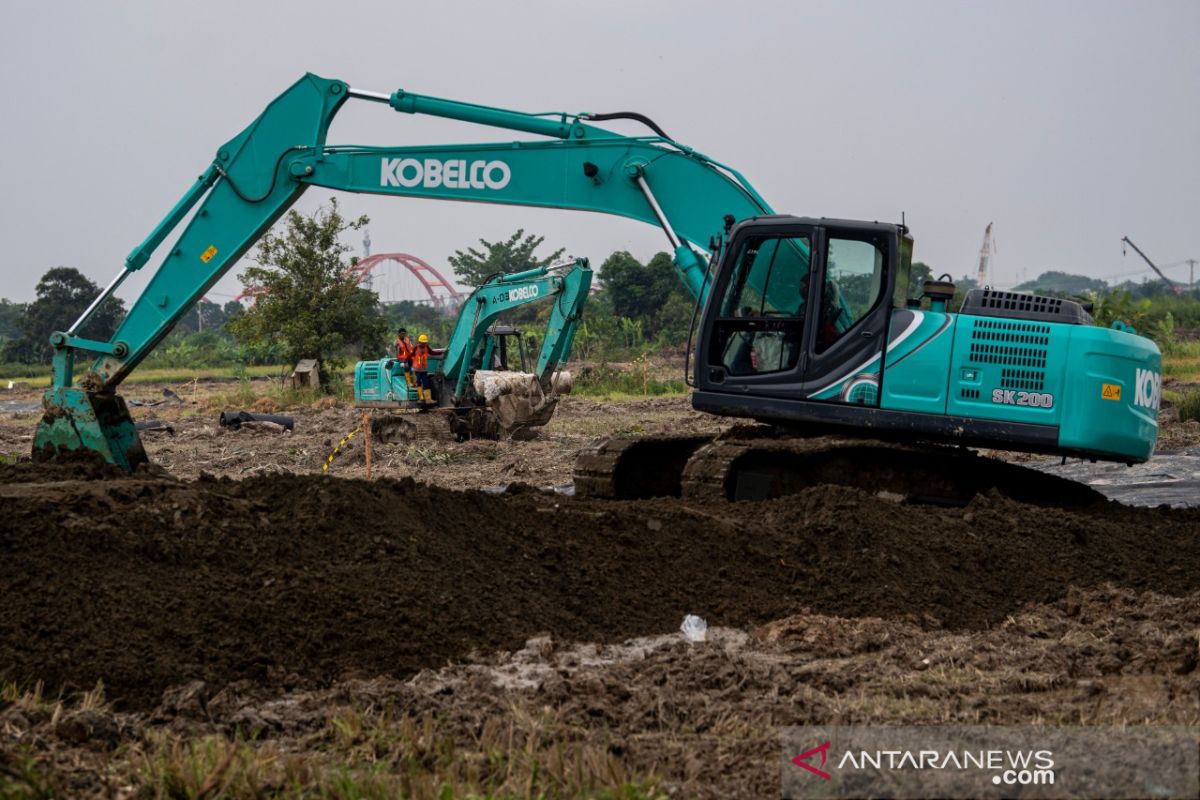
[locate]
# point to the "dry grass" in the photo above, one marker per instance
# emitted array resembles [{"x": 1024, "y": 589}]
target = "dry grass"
[
  {"x": 363, "y": 753},
  {"x": 380, "y": 753}
]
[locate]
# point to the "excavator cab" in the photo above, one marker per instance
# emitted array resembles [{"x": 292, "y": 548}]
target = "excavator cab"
[
  {"x": 504, "y": 350},
  {"x": 797, "y": 307},
  {"x": 815, "y": 325}
]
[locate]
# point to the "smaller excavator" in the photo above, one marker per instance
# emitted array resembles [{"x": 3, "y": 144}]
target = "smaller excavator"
[{"x": 475, "y": 391}]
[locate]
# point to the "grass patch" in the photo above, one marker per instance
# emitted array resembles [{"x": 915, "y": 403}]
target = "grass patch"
[
  {"x": 270, "y": 396},
  {"x": 1189, "y": 406},
  {"x": 610, "y": 383},
  {"x": 381, "y": 753},
  {"x": 422, "y": 456},
  {"x": 1181, "y": 359},
  {"x": 38, "y": 375}
]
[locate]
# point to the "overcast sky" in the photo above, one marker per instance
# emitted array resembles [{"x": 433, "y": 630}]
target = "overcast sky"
[{"x": 1068, "y": 124}]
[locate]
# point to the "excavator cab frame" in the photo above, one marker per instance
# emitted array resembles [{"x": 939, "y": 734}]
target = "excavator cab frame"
[{"x": 802, "y": 348}]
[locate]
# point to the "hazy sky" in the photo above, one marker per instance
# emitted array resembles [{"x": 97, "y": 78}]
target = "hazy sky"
[{"x": 1068, "y": 124}]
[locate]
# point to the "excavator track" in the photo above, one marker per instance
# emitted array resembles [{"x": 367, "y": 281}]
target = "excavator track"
[
  {"x": 635, "y": 467},
  {"x": 759, "y": 463},
  {"x": 434, "y": 425}
]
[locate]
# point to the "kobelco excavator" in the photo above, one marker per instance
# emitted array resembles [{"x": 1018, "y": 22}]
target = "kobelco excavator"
[
  {"x": 806, "y": 325},
  {"x": 475, "y": 390}
]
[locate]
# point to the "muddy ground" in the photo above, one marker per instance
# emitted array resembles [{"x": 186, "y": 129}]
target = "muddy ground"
[
  {"x": 198, "y": 444},
  {"x": 269, "y": 628}
]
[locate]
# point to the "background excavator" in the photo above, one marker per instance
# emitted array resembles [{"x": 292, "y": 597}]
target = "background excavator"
[
  {"x": 805, "y": 325},
  {"x": 478, "y": 387}
]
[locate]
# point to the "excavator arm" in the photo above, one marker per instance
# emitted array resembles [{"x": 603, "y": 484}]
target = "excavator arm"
[
  {"x": 504, "y": 293},
  {"x": 261, "y": 172}
]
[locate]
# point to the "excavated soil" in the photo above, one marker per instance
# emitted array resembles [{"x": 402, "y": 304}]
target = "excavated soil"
[
  {"x": 149, "y": 582},
  {"x": 282, "y": 608}
]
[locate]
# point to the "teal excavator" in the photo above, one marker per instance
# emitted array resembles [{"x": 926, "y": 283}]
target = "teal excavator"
[
  {"x": 478, "y": 387},
  {"x": 811, "y": 327}
]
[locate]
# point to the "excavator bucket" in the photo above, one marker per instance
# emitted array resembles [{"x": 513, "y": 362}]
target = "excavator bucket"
[
  {"x": 77, "y": 421},
  {"x": 517, "y": 399}
]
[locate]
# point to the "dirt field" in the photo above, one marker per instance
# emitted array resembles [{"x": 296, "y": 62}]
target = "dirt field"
[{"x": 260, "y": 629}]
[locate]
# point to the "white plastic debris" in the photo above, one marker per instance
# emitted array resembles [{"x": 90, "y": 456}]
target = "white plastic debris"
[{"x": 694, "y": 628}]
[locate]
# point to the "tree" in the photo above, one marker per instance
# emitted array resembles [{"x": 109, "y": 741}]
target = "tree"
[
  {"x": 638, "y": 291},
  {"x": 920, "y": 273},
  {"x": 63, "y": 294},
  {"x": 206, "y": 316},
  {"x": 473, "y": 267},
  {"x": 313, "y": 306},
  {"x": 651, "y": 294},
  {"x": 10, "y": 319},
  {"x": 1062, "y": 283}
]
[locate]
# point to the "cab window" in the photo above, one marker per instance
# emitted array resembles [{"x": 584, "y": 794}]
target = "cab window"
[
  {"x": 762, "y": 312},
  {"x": 853, "y": 281}
]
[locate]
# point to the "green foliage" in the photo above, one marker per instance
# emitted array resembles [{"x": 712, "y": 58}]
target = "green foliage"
[
  {"x": 1189, "y": 407},
  {"x": 638, "y": 290},
  {"x": 605, "y": 381},
  {"x": 647, "y": 303},
  {"x": 473, "y": 267},
  {"x": 211, "y": 348},
  {"x": 63, "y": 294},
  {"x": 10, "y": 319},
  {"x": 209, "y": 316},
  {"x": 417, "y": 318},
  {"x": 313, "y": 307},
  {"x": 1062, "y": 283},
  {"x": 918, "y": 274},
  {"x": 1111, "y": 305}
]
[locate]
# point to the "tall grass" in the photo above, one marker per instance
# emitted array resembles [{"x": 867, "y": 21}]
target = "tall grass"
[
  {"x": 607, "y": 381},
  {"x": 374, "y": 752},
  {"x": 1189, "y": 406},
  {"x": 1181, "y": 359}
]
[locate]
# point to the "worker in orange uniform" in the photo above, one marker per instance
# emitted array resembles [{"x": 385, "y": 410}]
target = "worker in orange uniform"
[
  {"x": 404, "y": 354},
  {"x": 420, "y": 366}
]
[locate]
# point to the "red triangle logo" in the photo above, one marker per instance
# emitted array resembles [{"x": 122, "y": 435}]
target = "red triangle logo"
[{"x": 802, "y": 760}]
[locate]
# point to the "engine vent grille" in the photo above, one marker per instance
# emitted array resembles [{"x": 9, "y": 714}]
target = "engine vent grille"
[
  {"x": 1010, "y": 344},
  {"x": 1018, "y": 348},
  {"x": 1022, "y": 305},
  {"x": 1027, "y": 379},
  {"x": 970, "y": 394}
]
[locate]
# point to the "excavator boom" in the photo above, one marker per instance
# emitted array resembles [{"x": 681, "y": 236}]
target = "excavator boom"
[{"x": 256, "y": 176}]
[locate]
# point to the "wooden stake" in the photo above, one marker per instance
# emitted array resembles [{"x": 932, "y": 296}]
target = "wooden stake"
[{"x": 366, "y": 425}]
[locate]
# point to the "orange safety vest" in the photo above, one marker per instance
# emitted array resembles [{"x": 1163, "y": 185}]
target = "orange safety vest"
[
  {"x": 404, "y": 348},
  {"x": 420, "y": 359}
]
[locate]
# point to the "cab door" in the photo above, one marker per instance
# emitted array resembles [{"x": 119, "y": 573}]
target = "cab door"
[
  {"x": 848, "y": 326},
  {"x": 755, "y": 343}
]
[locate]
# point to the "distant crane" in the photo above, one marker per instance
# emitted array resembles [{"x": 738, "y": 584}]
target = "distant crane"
[
  {"x": 1175, "y": 287},
  {"x": 985, "y": 257}
]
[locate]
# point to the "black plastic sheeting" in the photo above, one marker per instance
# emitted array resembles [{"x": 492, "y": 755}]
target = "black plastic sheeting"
[{"x": 1171, "y": 479}]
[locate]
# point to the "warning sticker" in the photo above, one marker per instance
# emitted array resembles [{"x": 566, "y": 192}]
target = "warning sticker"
[
  {"x": 1111, "y": 391},
  {"x": 208, "y": 254}
]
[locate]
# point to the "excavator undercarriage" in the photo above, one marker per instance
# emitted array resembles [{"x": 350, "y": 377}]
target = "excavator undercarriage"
[{"x": 760, "y": 462}]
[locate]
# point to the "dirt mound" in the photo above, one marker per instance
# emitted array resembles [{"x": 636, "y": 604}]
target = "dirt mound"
[
  {"x": 702, "y": 719},
  {"x": 84, "y": 465},
  {"x": 146, "y": 582}
]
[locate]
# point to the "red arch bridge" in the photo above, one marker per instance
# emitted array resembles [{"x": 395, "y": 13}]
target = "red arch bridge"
[{"x": 442, "y": 293}]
